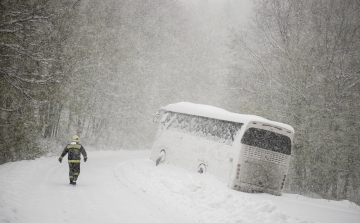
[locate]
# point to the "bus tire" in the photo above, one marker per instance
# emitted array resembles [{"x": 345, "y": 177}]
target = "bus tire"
[
  {"x": 202, "y": 168},
  {"x": 161, "y": 157}
]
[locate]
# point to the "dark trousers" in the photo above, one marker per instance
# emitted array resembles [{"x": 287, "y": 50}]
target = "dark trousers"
[{"x": 74, "y": 171}]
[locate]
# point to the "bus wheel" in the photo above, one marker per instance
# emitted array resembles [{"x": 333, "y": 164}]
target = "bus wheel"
[
  {"x": 202, "y": 168},
  {"x": 161, "y": 157}
]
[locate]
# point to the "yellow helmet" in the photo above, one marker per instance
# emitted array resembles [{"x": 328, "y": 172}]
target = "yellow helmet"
[{"x": 75, "y": 138}]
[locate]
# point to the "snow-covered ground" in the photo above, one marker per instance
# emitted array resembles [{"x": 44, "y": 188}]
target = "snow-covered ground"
[{"x": 126, "y": 186}]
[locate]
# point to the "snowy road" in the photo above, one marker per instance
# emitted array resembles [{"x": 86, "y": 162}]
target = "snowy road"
[
  {"x": 125, "y": 186},
  {"x": 39, "y": 191}
]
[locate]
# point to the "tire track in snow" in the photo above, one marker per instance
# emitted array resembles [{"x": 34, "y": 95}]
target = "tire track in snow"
[{"x": 141, "y": 193}]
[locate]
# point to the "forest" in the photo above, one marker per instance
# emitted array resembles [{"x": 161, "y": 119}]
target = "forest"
[{"x": 102, "y": 69}]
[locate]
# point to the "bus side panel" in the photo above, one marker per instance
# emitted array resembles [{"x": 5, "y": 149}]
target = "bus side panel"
[{"x": 190, "y": 151}]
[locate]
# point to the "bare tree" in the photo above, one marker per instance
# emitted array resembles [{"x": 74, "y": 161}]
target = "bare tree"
[
  {"x": 30, "y": 73},
  {"x": 304, "y": 58}
]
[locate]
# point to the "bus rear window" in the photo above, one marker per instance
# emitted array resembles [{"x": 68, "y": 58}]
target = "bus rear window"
[{"x": 268, "y": 140}]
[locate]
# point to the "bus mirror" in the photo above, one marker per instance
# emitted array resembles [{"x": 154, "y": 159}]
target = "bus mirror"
[{"x": 156, "y": 117}]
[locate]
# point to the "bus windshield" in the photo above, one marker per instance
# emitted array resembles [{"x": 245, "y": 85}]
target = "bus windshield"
[{"x": 268, "y": 140}]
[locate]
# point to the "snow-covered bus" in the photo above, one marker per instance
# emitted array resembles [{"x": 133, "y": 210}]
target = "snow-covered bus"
[{"x": 249, "y": 153}]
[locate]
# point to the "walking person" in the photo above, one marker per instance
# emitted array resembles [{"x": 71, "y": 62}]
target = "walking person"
[{"x": 74, "y": 151}]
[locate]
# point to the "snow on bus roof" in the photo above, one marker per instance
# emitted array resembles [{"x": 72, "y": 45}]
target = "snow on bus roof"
[{"x": 219, "y": 113}]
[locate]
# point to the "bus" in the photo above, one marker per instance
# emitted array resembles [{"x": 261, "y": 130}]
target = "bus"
[{"x": 247, "y": 152}]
